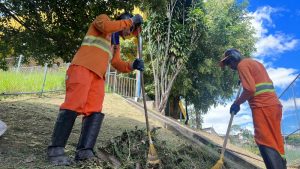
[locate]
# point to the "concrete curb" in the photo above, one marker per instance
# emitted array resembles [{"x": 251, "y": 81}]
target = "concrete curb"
[{"x": 3, "y": 128}]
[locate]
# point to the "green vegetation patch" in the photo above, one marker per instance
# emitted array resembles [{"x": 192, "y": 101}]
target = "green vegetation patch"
[{"x": 12, "y": 82}]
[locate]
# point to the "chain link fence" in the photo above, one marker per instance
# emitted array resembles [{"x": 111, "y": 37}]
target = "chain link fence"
[
  {"x": 43, "y": 79},
  {"x": 33, "y": 80},
  {"x": 290, "y": 125}
]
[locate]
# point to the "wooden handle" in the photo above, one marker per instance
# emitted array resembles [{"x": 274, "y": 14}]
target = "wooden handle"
[
  {"x": 229, "y": 125},
  {"x": 143, "y": 85}
]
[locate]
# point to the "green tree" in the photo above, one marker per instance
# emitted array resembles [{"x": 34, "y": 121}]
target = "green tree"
[
  {"x": 244, "y": 138},
  {"x": 202, "y": 81},
  {"x": 293, "y": 139},
  {"x": 50, "y": 29},
  {"x": 170, "y": 34}
]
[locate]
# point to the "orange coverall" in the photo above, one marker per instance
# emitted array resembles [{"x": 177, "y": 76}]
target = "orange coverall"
[
  {"x": 85, "y": 79},
  {"x": 266, "y": 108}
]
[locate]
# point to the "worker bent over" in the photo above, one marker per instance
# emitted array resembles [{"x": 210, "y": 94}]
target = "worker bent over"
[
  {"x": 85, "y": 82},
  {"x": 266, "y": 108}
]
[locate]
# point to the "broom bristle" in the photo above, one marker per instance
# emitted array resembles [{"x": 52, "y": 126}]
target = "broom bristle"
[
  {"x": 152, "y": 155},
  {"x": 219, "y": 164}
]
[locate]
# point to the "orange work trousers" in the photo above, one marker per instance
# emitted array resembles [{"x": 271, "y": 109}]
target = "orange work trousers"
[
  {"x": 267, "y": 128},
  {"x": 84, "y": 91}
]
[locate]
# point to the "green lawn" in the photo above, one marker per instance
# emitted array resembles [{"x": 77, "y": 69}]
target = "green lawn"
[
  {"x": 292, "y": 155},
  {"x": 13, "y": 82}
]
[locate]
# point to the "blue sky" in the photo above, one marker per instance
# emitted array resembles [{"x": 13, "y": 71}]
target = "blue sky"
[{"x": 277, "y": 25}]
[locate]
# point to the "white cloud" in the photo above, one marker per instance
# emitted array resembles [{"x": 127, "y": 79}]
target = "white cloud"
[
  {"x": 289, "y": 105},
  {"x": 282, "y": 77},
  {"x": 260, "y": 17},
  {"x": 274, "y": 44},
  {"x": 218, "y": 117},
  {"x": 269, "y": 44}
]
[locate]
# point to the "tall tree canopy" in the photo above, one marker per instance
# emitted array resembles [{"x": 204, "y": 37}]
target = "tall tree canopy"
[
  {"x": 171, "y": 34},
  {"x": 186, "y": 39},
  {"x": 227, "y": 26},
  {"x": 46, "y": 30}
]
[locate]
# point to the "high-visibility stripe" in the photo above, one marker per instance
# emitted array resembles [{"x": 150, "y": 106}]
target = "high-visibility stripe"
[
  {"x": 97, "y": 42},
  {"x": 263, "y": 88}
]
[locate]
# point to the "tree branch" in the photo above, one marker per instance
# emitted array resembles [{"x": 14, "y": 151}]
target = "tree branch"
[{"x": 7, "y": 11}]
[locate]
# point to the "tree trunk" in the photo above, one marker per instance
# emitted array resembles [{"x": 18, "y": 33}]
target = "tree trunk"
[
  {"x": 166, "y": 95},
  {"x": 198, "y": 120}
]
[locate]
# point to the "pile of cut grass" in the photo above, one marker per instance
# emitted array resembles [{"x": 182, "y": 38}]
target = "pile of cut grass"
[{"x": 131, "y": 149}]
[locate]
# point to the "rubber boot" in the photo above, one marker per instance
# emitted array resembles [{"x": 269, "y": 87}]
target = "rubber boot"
[
  {"x": 61, "y": 133},
  {"x": 89, "y": 132},
  {"x": 272, "y": 158}
]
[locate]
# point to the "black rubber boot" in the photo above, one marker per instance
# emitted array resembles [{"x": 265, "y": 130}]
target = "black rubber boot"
[
  {"x": 89, "y": 132},
  {"x": 272, "y": 158},
  {"x": 61, "y": 133}
]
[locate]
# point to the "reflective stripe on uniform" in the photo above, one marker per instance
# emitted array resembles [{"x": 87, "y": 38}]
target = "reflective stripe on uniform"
[
  {"x": 264, "y": 87},
  {"x": 97, "y": 42}
]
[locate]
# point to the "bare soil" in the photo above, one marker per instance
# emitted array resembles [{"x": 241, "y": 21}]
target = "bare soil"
[{"x": 30, "y": 121}]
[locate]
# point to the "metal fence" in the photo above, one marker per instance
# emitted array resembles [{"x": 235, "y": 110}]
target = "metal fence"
[
  {"x": 121, "y": 85},
  {"x": 43, "y": 79},
  {"x": 32, "y": 80},
  {"x": 290, "y": 99}
]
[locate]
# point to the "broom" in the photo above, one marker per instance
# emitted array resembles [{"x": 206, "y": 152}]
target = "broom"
[
  {"x": 220, "y": 162},
  {"x": 153, "y": 160}
]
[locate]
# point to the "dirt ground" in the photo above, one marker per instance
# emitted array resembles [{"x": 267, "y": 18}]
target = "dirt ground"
[{"x": 30, "y": 121}]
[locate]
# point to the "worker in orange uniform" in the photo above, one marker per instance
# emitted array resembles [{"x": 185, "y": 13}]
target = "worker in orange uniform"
[
  {"x": 85, "y": 82},
  {"x": 266, "y": 108}
]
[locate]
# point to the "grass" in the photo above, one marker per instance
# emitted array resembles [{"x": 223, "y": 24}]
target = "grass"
[
  {"x": 292, "y": 155},
  {"x": 18, "y": 82},
  {"x": 30, "y": 123},
  {"x": 13, "y": 82}
]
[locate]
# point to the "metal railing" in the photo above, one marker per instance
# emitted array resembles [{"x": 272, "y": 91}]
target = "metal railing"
[
  {"x": 121, "y": 85},
  {"x": 290, "y": 125}
]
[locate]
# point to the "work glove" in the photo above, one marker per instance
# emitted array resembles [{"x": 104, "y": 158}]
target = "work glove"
[
  {"x": 235, "y": 108},
  {"x": 137, "y": 20},
  {"x": 115, "y": 38},
  {"x": 138, "y": 64}
]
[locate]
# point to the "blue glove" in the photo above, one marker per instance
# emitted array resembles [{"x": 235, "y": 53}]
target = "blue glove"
[
  {"x": 138, "y": 64},
  {"x": 235, "y": 108},
  {"x": 115, "y": 38}
]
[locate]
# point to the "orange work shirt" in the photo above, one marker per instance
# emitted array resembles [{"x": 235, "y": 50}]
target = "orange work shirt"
[
  {"x": 252, "y": 74},
  {"x": 96, "y": 52}
]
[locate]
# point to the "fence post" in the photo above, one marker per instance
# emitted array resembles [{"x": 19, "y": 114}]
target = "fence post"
[
  {"x": 138, "y": 86},
  {"x": 117, "y": 85},
  {"x": 115, "y": 81},
  {"x": 130, "y": 88},
  {"x": 108, "y": 77},
  {"x": 44, "y": 81},
  {"x": 19, "y": 62},
  {"x": 122, "y": 86},
  {"x": 126, "y": 87}
]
